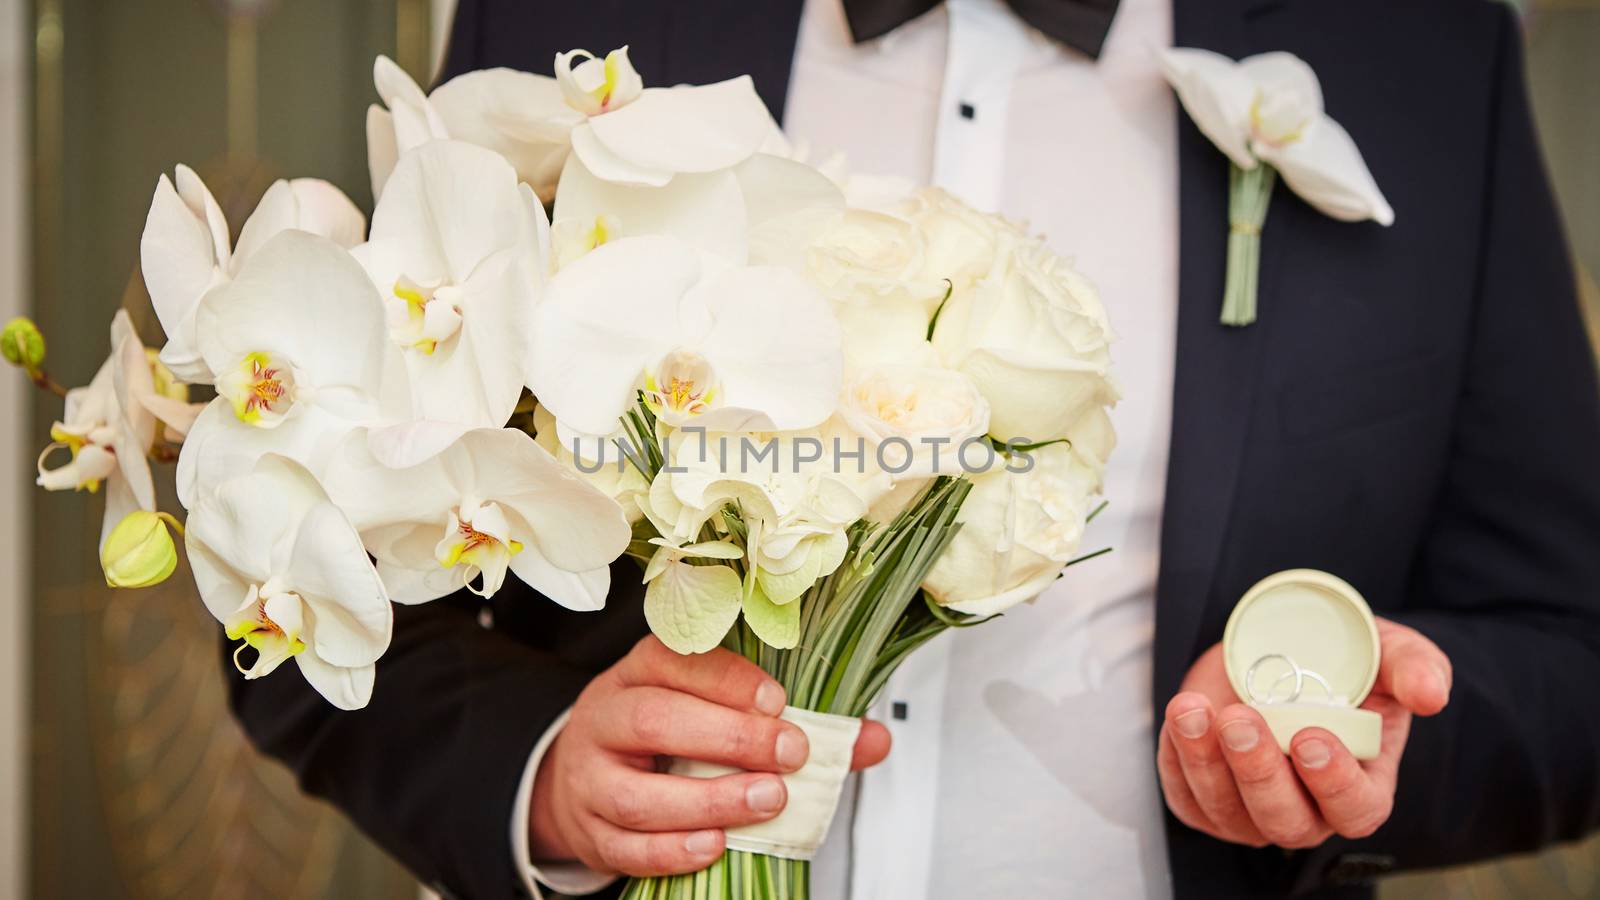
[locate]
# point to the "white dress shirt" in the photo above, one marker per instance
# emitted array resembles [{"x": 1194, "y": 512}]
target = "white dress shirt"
[{"x": 1023, "y": 760}]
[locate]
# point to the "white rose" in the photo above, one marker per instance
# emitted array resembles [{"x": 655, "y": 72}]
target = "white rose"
[
  {"x": 916, "y": 418},
  {"x": 961, "y": 242},
  {"x": 1033, "y": 336},
  {"x": 868, "y": 264},
  {"x": 1018, "y": 529}
]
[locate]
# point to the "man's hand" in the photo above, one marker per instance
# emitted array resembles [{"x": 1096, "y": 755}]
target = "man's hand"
[
  {"x": 1223, "y": 774},
  {"x": 599, "y": 796}
]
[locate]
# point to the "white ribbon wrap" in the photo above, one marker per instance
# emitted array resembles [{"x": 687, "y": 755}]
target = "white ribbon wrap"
[{"x": 814, "y": 789}]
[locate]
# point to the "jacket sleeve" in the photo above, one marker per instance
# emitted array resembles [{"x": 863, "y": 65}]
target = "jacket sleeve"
[
  {"x": 1508, "y": 580},
  {"x": 430, "y": 768}
]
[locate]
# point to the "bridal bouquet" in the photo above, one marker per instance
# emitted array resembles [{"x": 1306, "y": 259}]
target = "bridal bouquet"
[{"x": 830, "y": 415}]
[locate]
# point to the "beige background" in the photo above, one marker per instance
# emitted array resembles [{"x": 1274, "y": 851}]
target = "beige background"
[{"x": 120, "y": 774}]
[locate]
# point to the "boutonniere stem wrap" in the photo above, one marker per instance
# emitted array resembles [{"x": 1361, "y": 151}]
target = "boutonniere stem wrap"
[
  {"x": 1265, "y": 114},
  {"x": 1249, "y": 195}
]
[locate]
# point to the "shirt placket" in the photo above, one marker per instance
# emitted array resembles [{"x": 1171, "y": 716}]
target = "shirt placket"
[{"x": 895, "y": 816}]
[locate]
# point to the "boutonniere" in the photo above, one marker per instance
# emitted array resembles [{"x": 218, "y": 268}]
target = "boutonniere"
[{"x": 1265, "y": 113}]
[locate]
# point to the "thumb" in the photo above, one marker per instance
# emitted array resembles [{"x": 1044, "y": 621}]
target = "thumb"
[{"x": 1413, "y": 669}]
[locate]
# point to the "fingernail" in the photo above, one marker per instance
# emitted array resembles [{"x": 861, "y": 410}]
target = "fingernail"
[
  {"x": 770, "y": 698},
  {"x": 701, "y": 843},
  {"x": 791, "y": 749},
  {"x": 1193, "y": 724},
  {"x": 765, "y": 795},
  {"x": 1312, "y": 753},
  {"x": 1240, "y": 735},
  {"x": 1444, "y": 679}
]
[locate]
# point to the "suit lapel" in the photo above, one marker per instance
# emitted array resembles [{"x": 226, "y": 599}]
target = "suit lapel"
[{"x": 1216, "y": 371}]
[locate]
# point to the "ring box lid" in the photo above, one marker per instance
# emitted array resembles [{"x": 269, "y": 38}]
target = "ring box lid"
[{"x": 1315, "y": 619}]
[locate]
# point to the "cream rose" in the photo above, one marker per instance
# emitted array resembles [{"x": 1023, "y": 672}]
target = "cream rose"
[
  {"x": 915, "y": 418},
  {"x": 869, "y": 265},
  {"x": 961, "y": 242},
  {"x": 1033, "y": 336},
  {"x": 1018, "y": 529}
]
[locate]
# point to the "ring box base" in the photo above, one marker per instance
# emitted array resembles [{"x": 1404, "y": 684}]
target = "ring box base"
[{"x": 1361, "y": 730}]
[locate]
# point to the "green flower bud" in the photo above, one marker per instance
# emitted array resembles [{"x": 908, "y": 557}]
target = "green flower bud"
[
  {"x": 139, "y": 551},
  {"x": 22, "y": 344}
]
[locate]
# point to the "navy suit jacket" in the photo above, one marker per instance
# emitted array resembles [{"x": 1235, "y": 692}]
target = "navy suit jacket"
[{"x": 1416, "y": 410}]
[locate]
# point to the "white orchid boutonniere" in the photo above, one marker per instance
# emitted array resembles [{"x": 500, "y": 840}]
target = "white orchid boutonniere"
[{"x": 1265, "y": 113}]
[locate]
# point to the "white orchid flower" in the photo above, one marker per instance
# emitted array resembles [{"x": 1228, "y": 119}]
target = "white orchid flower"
[
  {"x": 491, "y": 502},
  {"x": 764, "y": 211},
  {"x": 794, "y": 508},
  {"x": 638, "y": 135},
  {"x": 185, "y": 249},
  {"x": 297, "y": 341},
  {"x": 1268, "y": 108},
  {"x": 108, "y": 429},
  {"x": 285, "y": 572},
  {"x": 456, "y": 254},
  {"x": 405, "y": 121},
  {"x": 728, "y": 348},
  {"x": 519, "y": 115},
  {"x": 691, "y": 607}
]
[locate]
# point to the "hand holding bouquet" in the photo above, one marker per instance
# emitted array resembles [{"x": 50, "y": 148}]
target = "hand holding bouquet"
[{"x": 831, "y": 416}]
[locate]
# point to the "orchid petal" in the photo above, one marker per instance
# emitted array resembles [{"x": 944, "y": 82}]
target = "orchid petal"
[
  {"x": 775, "y": 344},
  {"x": 245, "y": 529},
  {"x": 382, "y": 150},
  {"x": 690, "y": 608},
  {"x": 332, "y": 573},
  {"x": 788, "y": 205},
  {"x": 219, "y": 446},
  {"x": 577, "y": 591},
  {"x": 305, "y": 298},
  {"x": 448, "y": 207},
  {"x": 777, "y": 625},
  {"x": 575, "y": 527},
  {"x": 412, "y": 443},
  {"x": 603, "y": 320},
  {"x": 607, "y": 165},
  {"x": 708, "y": 211},
  {"x": 347, "y": 689},
  {"x": 415, "y": 121},
  {"x": 1217, "y": 96},
  {"x": 1327, "y": 171},
  {"x": 687, "y": 129},
  {"x": 519, "y": 115},
  {"x": 179, "y": 260}
]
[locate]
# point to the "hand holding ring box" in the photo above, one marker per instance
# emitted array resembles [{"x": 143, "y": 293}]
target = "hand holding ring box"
[{"x": 1301, "y": 648}]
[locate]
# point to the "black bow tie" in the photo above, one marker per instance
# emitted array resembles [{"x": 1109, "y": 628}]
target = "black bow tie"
[{"x": 1081, "y": 23}]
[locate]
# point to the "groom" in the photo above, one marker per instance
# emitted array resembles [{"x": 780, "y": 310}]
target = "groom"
[{"x": 1415, "y": 411}]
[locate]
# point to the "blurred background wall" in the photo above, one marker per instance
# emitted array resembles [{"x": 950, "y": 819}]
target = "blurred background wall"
[{"x": 121, "y": 775}]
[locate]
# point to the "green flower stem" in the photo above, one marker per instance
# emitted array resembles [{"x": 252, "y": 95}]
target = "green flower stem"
[
  {"x": 1249, "y": 196},
  {"x": 856, "y": 626}
]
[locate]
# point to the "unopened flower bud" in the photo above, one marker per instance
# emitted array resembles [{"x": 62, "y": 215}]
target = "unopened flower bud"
[
  {"x": 139, "y": 551},
  {"x": 22, "y": 344}
]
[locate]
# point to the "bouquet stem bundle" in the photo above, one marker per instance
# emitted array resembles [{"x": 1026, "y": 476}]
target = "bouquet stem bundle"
[{"x": 857, "y": 625}]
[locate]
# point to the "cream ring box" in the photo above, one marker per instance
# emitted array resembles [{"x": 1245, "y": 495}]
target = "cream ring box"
[{"x": 1301, "y": 648}]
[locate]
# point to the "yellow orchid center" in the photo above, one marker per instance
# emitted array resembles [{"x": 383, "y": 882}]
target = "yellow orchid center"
[
  {"x": 424, "y": 316},
  {"x": 477, "y": 540},
  {"x": 682, "y": 387},
  {"x": 269, "y": 622},
  {"x": 607, "y": 91},
  {"x": 94, "y": 457},
  {"x": 261, "y": 389},
  {"x": 594, "y": 86},
  {"x": 1278, "y": 119}
]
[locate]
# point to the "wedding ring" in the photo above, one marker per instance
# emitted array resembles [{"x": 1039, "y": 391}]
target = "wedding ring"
[{"x": 1298, "y": 674}]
